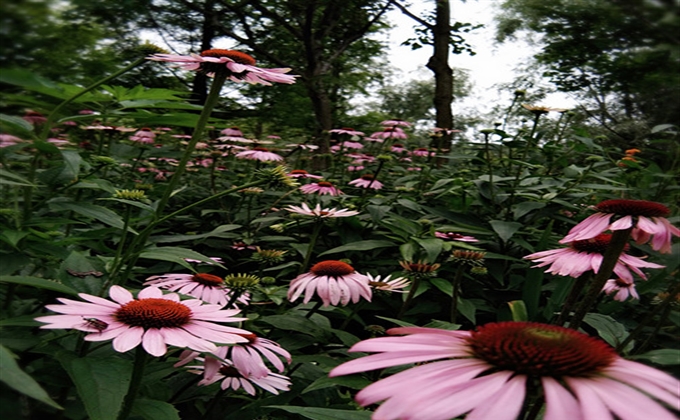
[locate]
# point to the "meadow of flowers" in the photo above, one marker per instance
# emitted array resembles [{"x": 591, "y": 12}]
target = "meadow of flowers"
[{"x": 161, "y": 263}]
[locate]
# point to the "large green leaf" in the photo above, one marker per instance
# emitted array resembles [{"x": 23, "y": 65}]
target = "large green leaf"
[
  {"x": 217, "y": 232},
  {"x": 93, "y": 211},
  {"x": 504, "y": 229},
  {"x": 317, "y": 413},
  {"x": 661, "y": 356},
  {"x": 432, "y": 246},
  {"x": 17, "y": 379},
  {"x": 354, "y": 382},
  {"x": 8, "y": 178},
  {"x": 154, "y": 410},
  {"x": 17, "y": 123},
  {"x": 295, "y": 323},
  {"x": 176, "y": 255},
  {"x": 101, "y": 384},
  {"x": 39, "y": 283},
  {"x": 360, "y": 246},
  {"x": 607, "y": 327}
]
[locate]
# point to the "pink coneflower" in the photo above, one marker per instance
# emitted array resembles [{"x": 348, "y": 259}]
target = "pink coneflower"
[
  {"x": 232, "y": 377},
  {"x": 388, "y": 284},
  {"x": 153, "y": 320},
  {"x": 622, "y": 289},
  {"x": 259, "y": 153},
  {"x": 395, "y": 123},
  {"x": 181, "y": 136},
  {"x": 7, "y": 140},
  {"x": 302, "y": 174},
  {"x": 58, "y": 141},
  {"x": 422, "y": 152},
  {"x": 241, "y": 66},
  {"x": 374, "y": 138},
  {"x": 487, "y": 373},
  {"x": 232, "y": 132},
  {"x": 353, "y": 168},
  {"x": 242, "y": 246},
  {"x": 144, "y": 136},
  {"x": 352, "y": 145},
  {"x": 249, "y": 358},
  {"x": 367, "y": 181},
  {"x": 34, "y": 117},
  {"x": 391, "y": 133},
  {"x": 86, "y": 112},
  {"x": 333, "y": 281},
  {"x": 348, "y": 131},
  {"x": 98, "y": 126},
  {"x": 398, "y": 148},
  {"x": 207, "y": 287},
  {"x": 215, "y": 259},
  {"x": 321, "y": 213},
  {"x": 582, "y": 256},
  {"x": 320, "y": 188},
  {"x": 647, "y": 218},
  {"x": 453, "y": 236}
]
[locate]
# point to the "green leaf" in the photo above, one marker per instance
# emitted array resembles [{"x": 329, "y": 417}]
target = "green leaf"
[
  {"x": 521, "y": 209},
  {"x": 407, "y": 251},
  {"x": 504, "y": 229},
  {"x": 608, "y": 329},
  {"x": 317, "y": 413},
  {"x": 396, "y": 321},
  {"x": 13, "y": 237},
  {"x": 93, "y": 211},
  {"x": 20, "y": 321},
  {"x": 444, "y": 285},
  {"x": 17, "y": 123},
  {"x": 360, "y": 246},
  {"x": 14, "y": 179},
  {"x": 661, "y": 356},
  {"x": 518, "y": 310},
  {"x": 295, "y": 323},
  {"x": 101, "y": 384},
  {"x": 217, "y": 232},
  {"x": 661, "y": 127},
  {"x": 352, "y": 381},
  {"x": 432, "y": 246},
  {"x": 468, "y": 309},
  {"x": 154, "y": 410},
  {"x": 176, "y": 255},
  {"x": 20, "y": 381},
  {"x": 39, "y": 283}
]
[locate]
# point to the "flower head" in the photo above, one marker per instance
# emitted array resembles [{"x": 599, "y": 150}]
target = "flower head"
[
  {"x": 153, "y": 320},
  {"x": 232, "y": 132},
  {"x": 453, "y": 236},
  {"x": 144, "y": 136},
  {"x": 367, "y": 181},
  {"x": 395, "y": 123},
  {"x": 320, "y": 188},
  {"x": 240, "y": 66},
  {"x": 347, "y": 131},
  {"x": 647, "y": 218},
  {"x": 319, "y": 212},
  {"x": 388, "y": 284},
  {"x": 622, "y": 289},
  {"x": 334, "y": 281},
  {"x": 259, "y": 153},
  {"x": 7, "y": 140},
  {"x": 420, "y": 267},
  {"x": 422, "y": 152},
  {"x": 488, "y": 372},
  {"x": 585, "y": 255},
  {"x": 207, "y": 287},
  {"x": 301, "y": 173}
]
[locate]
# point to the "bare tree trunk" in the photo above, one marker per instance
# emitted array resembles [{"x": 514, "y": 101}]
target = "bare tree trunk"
[
  {"x": 199, "y": 88},
  {"x": 443, "y": 74}
]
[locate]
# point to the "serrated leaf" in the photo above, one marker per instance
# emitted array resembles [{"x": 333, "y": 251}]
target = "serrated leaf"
[
  {"x": 317, "y": 413},
  {"x": 359, "y": 246},
  {"x": 39, "y": 283},
  {"x": 101, "y": 384},
  {"x": 20, "y": 381}
]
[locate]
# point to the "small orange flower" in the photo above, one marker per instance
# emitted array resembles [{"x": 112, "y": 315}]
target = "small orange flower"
[{"x": 631, "y": 152}]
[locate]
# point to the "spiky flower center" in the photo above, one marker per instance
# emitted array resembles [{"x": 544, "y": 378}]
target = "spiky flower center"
[
  {"x": 252, "y": 337},
  {"x": 230, "y": 372},
  {"x": 367, "y": 177},
  {"x": 237, "y": 56},
  {"x": 419, "y": 267},
  {"x": 208, "y": 279},
  {"x": 299, "y": 172},
  {"x": 622, "y": 283},
  {"x": 397, "y": 145},
  {"x": 241, "y": 281},
  {"x": 377, "y": 284},
  {"x": 596, "y": 245},
  {"x": 633, "y": 208},
  {"x": 325, "y": 184},
  {"x": 538, "y": 349},
  {"x": 261, "y": 149},
  {"x": 153, "y": 313},
  {"x": 421, "y": 149},
  {"x": 331, "y": 269}
]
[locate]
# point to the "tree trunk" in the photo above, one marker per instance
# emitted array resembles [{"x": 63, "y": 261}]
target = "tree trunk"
[
  {"x": 323, "y": 111},
  {"x": 439, "y": 64},
  {"x": 199, "y": 87}
]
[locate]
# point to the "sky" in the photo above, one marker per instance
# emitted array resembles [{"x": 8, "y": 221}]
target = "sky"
[{"x": 492, "y": 65}]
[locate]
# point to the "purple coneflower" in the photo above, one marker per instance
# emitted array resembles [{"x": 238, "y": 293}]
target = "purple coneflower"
[
  {"x": 348, "y": 131},
  {"x": 321, "y": 213},
  {"x": 487, "y": 372},
  {"x": 367, "y": 181},
  {"x": 453, "y": 236},
  {"x": 582, "y": 256},
  {"x": 422, "y": 152},
  {"x": 395, "y": 123},
  {"x": 622, "y": 289},
  {"x": 388, "y": 284},
  {"x": 207, "y": 287},
  {"x": 391, "y": 133},
  {"x": 320, "y": 188},
  {"x": 232, "y": 132},
  {"x": 259, "y": 153},
  {"x": 333, "y": 281},
  {"x": 153, "y": 320},
  {"x": 647, "y": 218},
  {"x": 7, "y": 140},
  {"x": 301, "y": 173},
  {"x": 144, "y": 136}
]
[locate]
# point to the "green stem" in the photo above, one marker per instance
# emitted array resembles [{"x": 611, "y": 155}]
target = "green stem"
[
  {"x": 210, "y": 102},
  {"x": 617, "y": 244},
  {"x": 572, "y": 298},
  {"x": 455, "y": 294},
  {"x": 314, "y": 309},
  {"x": 355, "y": 309},
  {"x": 121, "y": 245},
  {"x": 53, "y": 115},
  {"x": 312, "y": 242},
  {"x": 411, "y": 292},
  {"x": 135, "y": 382}
]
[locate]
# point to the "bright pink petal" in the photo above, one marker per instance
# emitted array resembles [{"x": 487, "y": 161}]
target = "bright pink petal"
[
  {"x": 153, "y": 342},
  {"x": 128, "y": 339}
]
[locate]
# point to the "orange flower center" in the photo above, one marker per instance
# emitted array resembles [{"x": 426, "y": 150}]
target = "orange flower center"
[
  {"x": 324, "y": 184},
  {"x": 153, "y": 313},
  {"x": 367, "y": 177},
  {"x": 237, "y": 56},
  {"x": 260, "y": 149},
  {"x": 331, "y": 269},
  {"x": 537, "y": 349},
  {"x": 250, "y": 337},
  {"x": 298, "y": 172},
  {"x": 208, "y": 279},
  {"x": 633, "y": 208}
]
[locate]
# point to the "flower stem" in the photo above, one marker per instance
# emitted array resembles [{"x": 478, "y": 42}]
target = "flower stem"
[
  {"x": 411, "y": 292},
  {"x": 572, "y": 298},
  {"x": 617, "y": 244},
  {"x": 135, "y": 382},
  {"x": 312, "y": 242},
  {"x": 314, "y": 309},
  {"x": 53, "y": 115},
  {"x": 455, "y": 294}
]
